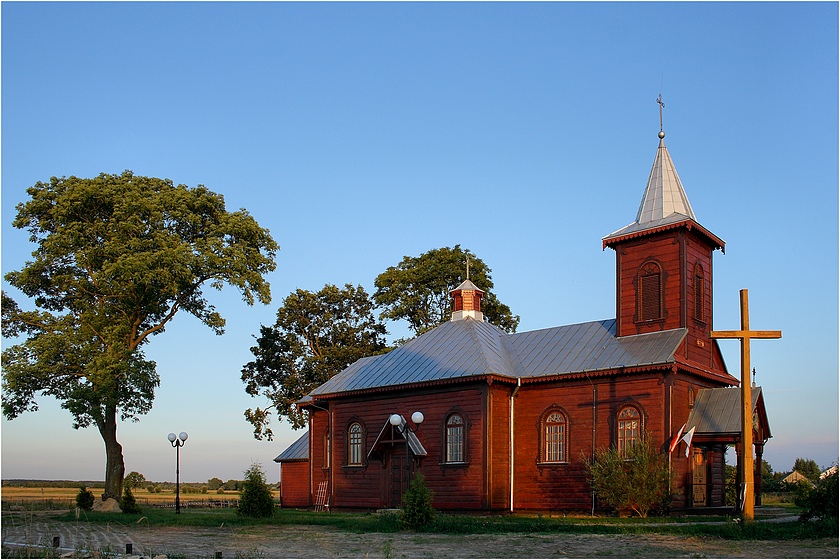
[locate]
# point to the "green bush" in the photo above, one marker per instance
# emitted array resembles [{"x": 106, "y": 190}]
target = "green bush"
[
  {"x": 84, "y": 499},
  {"x": 128, "y": 504},
  {"x": 417, "y": 509},
  {"x": 637, "y": 480},
  {"x": 255, "y": 499},
  {"x": 822, "y": 501}
]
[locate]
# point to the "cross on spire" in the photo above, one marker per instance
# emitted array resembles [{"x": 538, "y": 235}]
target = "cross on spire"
[
  {"x": 745, "y": 335},
  {"x": 468, "y": 267},
  {"x": 661, "y": 106}
]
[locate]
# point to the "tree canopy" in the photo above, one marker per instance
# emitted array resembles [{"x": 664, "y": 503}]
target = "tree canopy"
[
  {"x": 116, "y": 258},
  {"x": 417, "y": 289},
  {"x": 316, "y": 335},
  {"x": 807, "y": 468}
]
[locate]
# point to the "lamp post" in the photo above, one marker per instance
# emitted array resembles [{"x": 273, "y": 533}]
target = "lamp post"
[
  {"x": 396, "y": 421},
  {"x": 177, "y": 442}
]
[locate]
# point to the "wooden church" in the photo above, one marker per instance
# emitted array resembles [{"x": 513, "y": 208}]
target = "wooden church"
[{"x": 503, "y": 422}]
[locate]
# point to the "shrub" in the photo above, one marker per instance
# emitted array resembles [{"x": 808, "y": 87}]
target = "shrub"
[
  {"x": 128, "y": 504},
  {"x": 639, "y": 480},
  {"x": 417, "y": 509},
  {"x": 822, "y": 501},
  {"x": 150, "y": 488},
  {"x": 84, "y": 499},
  {"x": 255, "y": 499}
]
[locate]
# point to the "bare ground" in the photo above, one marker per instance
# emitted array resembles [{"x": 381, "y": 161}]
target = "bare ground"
[{"x": 326, "y": 542}]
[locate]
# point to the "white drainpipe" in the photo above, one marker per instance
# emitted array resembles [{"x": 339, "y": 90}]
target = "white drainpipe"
[{"x": 512, "y": 395}]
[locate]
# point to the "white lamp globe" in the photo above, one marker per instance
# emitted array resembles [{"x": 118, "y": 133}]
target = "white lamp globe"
[
  {"x": 183, "y": 436},
  {"x": 395, "y": 419},
  {"x": 417, "y": 417},
  {"x": 171, "y": 438}
]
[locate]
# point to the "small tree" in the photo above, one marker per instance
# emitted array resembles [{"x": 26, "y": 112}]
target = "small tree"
[
  {"x": 134, "y": 479},
  {"x": 417, "y": 507},
  {"x": 128, "y": 504},
  {"x": 255, "y": 500},
  {"x": 638, "y": 480},
  {"x": 84, "y": 499},
  {"x": 808, "y": 468}
]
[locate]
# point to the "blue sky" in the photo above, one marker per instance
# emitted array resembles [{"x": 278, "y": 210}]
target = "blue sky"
[{"x": 359, "y": 133}]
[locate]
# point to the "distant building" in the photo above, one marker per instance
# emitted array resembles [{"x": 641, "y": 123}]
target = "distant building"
[{"x": 509, "y": 419}]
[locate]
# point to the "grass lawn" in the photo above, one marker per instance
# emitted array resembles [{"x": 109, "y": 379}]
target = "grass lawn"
[{"x": 720, "y": 527}]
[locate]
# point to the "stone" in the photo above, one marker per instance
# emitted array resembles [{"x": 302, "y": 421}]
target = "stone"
[{"x": 108, "y": 506}]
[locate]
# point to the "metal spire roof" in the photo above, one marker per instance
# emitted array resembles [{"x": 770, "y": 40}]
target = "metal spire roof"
[
  {"x": 664, "y": 195},
  {"x": 664, "y": 201}
]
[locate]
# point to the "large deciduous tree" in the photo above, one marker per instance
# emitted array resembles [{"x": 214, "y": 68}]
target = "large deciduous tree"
[
  {"x": 316, "y": 335},
  {"x": 117, "y": 257},
  {"x": 417, "y": 289}
]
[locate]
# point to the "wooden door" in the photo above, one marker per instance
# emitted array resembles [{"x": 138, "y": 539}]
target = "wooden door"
[
  {"x": 699, "y": 474},
  {"x": 397, "y": 479}
]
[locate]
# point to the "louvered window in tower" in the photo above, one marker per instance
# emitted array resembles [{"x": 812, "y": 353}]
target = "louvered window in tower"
[
  {"x": 699, "y": 293},
  {"x": 649, "y": 292}
]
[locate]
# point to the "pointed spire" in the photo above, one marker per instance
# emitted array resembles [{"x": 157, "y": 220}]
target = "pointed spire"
[{"x": 664, "y": 195}]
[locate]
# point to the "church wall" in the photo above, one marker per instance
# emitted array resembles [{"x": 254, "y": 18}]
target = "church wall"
[
  {"x": 294, "y": 484},
  {"x": 664, "y": 248},
  {"x": 318, "y": 468},
  {"x": 498, "y": 495},
  {"x": 455, "y": 487},
  {"x": 698, "y": 343},
  {"x": 564, "y": 486}
]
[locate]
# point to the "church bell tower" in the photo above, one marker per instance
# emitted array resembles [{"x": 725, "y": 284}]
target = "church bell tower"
[{"x": 664, "y": 263}]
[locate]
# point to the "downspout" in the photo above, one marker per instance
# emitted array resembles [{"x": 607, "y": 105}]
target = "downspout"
[
  {"x": 329, "y": 451},
  {"x": 510, "y": 421},
  {"x": 594, "y": 420}
]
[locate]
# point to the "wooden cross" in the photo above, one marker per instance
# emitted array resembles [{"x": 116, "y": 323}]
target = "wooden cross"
[
  {"x": 745, "y": 335},
  {"x": 468, "y": 267}
]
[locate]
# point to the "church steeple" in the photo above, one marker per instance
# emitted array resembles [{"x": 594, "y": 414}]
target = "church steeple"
[
  {"x": 664, "y": 263},
  {"x": 664, "y": 201}
]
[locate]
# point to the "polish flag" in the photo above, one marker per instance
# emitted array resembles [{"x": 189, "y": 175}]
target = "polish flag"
[
  {"x": 676, "y": 440},
  {"x": 687, "y": 439}
]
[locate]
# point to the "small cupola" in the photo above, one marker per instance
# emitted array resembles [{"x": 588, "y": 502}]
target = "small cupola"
[{"x": 467, "y": 302}]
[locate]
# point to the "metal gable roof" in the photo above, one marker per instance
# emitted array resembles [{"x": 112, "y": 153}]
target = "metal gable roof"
[
  {"x": 467, "y": 348},
  {"x": 719, "y": 410},
  {"x": 453, "y": 350},
  {"x": 592, "y": 346},
  {"x": 298, "y": 451}
]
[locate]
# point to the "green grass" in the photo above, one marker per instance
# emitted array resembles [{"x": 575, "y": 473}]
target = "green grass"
[{"x": 472, "y": 524}]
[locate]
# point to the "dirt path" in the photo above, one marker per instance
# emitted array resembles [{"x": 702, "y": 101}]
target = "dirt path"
[{"x": 327, "y": 542}]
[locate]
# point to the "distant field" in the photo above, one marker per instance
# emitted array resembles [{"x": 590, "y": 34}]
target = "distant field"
[{"x": 20, "y": 494}]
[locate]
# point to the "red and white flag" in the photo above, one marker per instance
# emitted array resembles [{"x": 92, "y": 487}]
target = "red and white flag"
[
  {"x": 675, "y": 441},
  {"x": 687, "y": 439}
]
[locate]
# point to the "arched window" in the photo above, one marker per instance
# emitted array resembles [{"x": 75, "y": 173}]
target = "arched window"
[
  {"x": 454, "y": 439},
  {"x": 629, "y": 428},
  {"x": 649, "y": 292},
  {"x": 554, "y": 438},
  {"x": 355, "y": 438},
  {"x": 699, "y": 293}
]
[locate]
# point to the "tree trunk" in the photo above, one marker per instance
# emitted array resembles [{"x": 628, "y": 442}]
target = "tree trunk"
[{"x": 114, "y": 465}]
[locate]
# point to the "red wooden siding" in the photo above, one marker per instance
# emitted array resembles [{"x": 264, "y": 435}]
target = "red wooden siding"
[
  {"x": 294, "y": 484},
  {"x": 454, "y": 487},
  {"x": 564, "y": 486}
]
